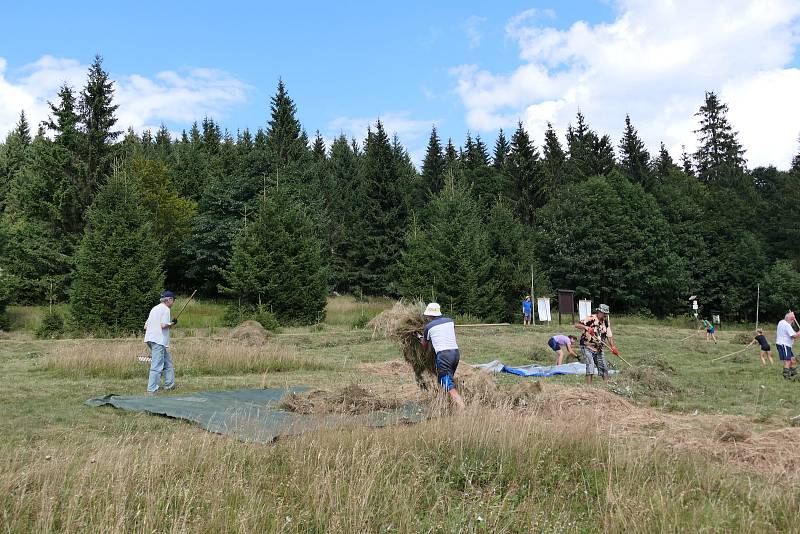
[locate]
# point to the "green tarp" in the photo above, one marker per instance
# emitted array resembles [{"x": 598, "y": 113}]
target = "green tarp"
[{"x": 252, "y": 414}]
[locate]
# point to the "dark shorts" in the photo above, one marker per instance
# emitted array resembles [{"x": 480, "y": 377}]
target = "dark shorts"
[
  {"x": 553, "y": 344},
  {"x": 446, "y": 365},
  {"x": 710, "y": 330},
  {"x": 785, "y": 353},
  {"x": 766, "y": 348}
]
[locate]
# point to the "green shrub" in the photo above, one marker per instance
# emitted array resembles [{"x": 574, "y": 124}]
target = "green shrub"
[
  {"x": 51, "y": 327},
  {"x": 360, "y": 322}
]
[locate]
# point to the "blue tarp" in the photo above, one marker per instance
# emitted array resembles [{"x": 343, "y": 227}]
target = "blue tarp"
[{"x": 574, "y": 368}]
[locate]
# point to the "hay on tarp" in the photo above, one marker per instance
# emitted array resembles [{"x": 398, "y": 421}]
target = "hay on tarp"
[
  {"x": 352, "y": 399},
  {"x": 402, "y": 323},
  {"x": 250, "y": 333}
]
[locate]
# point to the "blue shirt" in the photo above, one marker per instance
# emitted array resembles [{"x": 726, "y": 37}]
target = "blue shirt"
[{"x": 527, "y": 306}]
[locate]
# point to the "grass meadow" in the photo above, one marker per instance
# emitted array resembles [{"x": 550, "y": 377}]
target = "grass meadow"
[{"x": 688, "y": 443}]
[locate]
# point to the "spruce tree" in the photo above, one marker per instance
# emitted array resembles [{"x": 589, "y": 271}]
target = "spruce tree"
[
  {"x": 501, "y": 151},
  {"x": 276, "y": 262},
  {"x": 663, "y": 164},
  {"x": 796, "y": 162},
  {"x": 433, "y": 165},
  {"x": 634, "y": 157},
  {"x": 318, "y": 150},
  {"x": 383, "y": 215},
  {"x": 119, "y": 263},
  {"x": 686, "y": 162},
  {"x": 448, "y": 257},
  {"x": 64, "y": 119},
  {"x": 97, "y": 122},
  {"x": 554, "y": 160},
  {"x": 580, "y": 140},
  {"x": 526, "y": 174},
  {"x": 601, "y": 156},
  {"x": 719, "y": 156},
  {"x": 284, "y": 141},
  {"x": 451, "y": 158},
  {"x": 15, "y": 155}
]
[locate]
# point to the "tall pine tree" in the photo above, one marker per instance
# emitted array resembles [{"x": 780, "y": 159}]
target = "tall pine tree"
[
  {"x": 97, "y": 120},
  {"x": 634, "y": 157},
  {"x": 119, "y": 264},
  {"x": 719, "y": 156},
  {"x": 433, "y": 165}
]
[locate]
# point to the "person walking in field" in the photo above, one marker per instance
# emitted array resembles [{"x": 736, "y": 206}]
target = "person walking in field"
[
  {"x": 156, "y": 336},
  {"x": 710, "y": 330},
  {"x": 441, "y": 332},
  {"x": 766, "y": 350},
  {"x": 596, "y": 333},
  {"x": 558, "y": 343},
  {"x": 784, "y": 339},
  {"x": 527, "y": 311}
]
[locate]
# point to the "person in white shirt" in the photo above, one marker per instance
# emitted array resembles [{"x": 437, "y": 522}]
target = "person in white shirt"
[
  {"x": 784, "y": 339},
  {"x": 156, "y": 336},
  {"x": 441, "y": 332}
]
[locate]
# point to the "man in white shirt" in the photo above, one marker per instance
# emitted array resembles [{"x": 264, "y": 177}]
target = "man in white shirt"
[
  {"x": 156, "y": 336},
  {"x": 784, "y": 339},
  {"x": 441, "y": 332}
]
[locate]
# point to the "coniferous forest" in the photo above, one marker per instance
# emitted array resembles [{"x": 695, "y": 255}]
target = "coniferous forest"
[{"x": 275, "y": 220}]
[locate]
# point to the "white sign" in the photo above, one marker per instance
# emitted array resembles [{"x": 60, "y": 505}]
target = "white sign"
[
  {"x": 584, "y": 309},
  {"x": 543, "y": 308},
  {"x": 694, "y": 304}
]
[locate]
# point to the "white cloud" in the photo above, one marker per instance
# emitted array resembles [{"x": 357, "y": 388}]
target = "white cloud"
[
  {"x": 472, "y": 29},
  {"x": 169, "y": 96},
  {"x": 654, "y": 61}
]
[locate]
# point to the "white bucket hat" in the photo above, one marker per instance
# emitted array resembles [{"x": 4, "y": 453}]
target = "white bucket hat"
[{"x": 433, "y": 310}]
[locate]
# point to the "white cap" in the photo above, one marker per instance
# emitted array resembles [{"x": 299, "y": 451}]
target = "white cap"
[{"x": 433, "y": 310}]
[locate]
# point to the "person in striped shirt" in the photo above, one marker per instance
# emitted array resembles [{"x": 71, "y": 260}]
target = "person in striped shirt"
[{"x": 441, "y": 333}]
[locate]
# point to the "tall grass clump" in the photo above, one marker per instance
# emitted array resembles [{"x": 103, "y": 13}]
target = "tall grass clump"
[
  {"x": 192, "y": 358},
  {"x": 484, "y": 471}
]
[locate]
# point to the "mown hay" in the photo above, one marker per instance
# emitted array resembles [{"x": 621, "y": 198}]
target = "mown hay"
[
  {"x": 352, "y": 399},
  {"x": 250, "y": 333},
  {"x": 402, "y": 323},
  {"x": 651, "y": 380},
  {"x": 658, "y": 361},
  {"x": 742, "y": 338},
  {"x": 730, "y": 431}
]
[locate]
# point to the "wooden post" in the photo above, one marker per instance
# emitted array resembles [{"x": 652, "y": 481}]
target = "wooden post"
[
  {"x": 533, "y": 301},
  {"x": 758, "y": 298}
]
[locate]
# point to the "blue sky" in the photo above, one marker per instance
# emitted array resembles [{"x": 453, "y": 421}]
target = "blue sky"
[{"x": 463, "y": 65}]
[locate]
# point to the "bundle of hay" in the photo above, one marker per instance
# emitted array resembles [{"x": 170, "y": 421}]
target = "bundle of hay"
[
  {"x": 352, "y": 399},
  {"x": 402, "y": 323},
  {"x": 250, "y": 333},
  {"x": 742, "y": 338}
]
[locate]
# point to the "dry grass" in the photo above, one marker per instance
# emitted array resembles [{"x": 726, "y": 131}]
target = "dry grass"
[
  {"x": 487, "y": 470},
  {"x": 119, "y": 359}
]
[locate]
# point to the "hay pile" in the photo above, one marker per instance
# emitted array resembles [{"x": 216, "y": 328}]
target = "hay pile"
[
  {"x": 651, "y": 380},
  {"x": 742, "y": 338},
  {"x": 250, "y": 333},
  {"x": 402, "y": 323},
  {"x": 352, "y": 399}
]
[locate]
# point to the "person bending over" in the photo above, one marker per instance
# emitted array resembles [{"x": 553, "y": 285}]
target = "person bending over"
[{"x": 441, "y": 333}]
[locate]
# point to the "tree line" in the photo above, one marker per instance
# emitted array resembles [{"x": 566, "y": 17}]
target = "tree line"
[{"x": 275, "y": 220}]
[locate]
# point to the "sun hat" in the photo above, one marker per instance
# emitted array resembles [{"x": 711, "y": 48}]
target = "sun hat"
[
  {"x": 433, "y": 310},
  {"x": 603, "y": 308}
]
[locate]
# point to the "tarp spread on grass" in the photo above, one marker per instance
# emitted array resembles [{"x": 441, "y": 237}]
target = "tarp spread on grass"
[
  {"x": 252, "y": 414},
  {"x": 574, "y": 368}
]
